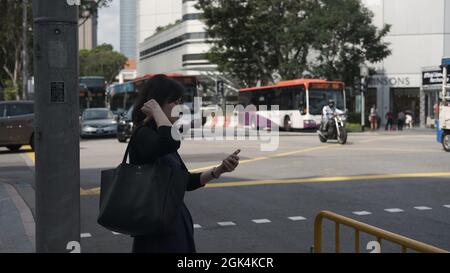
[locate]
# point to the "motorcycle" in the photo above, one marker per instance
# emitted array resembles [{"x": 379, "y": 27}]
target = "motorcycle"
[{"x": 336, "y": 130}]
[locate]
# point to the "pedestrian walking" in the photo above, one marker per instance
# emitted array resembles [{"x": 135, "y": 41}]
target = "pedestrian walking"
[
  {"x": 154, "y": 141},
  {"x": 409, "y": 120},
  {"x": 401, "y": 120},
  {"x": 389, "y": 121},
  {"x": 373, "y": 118}
]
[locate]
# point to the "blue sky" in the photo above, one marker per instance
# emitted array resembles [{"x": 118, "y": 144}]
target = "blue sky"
[{"x": 109, "y": 25}]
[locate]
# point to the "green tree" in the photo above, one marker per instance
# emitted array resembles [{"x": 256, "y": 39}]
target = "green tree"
[
  {"x": 89, "y": 8},
  {"x": 101, "y": 61},
  {"x": 257, "y": 41},
  {"x": 347, "y": 38},
  {"x": 11, "y": 44},
  {"x": 11, "y": 39},
  {"x": 262, "y": 41}
]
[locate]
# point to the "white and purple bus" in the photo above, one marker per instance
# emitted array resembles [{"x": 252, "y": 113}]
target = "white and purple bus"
[{"x": 300, "y": 103}]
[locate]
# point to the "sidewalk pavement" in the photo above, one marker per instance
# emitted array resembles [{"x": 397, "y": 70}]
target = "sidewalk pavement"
[
  {"x": 415, "y": 130},
  {"x": 17, "y": 226}
]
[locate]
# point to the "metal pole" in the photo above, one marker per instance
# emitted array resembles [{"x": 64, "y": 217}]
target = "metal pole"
[
  {"x": 364, "y": 72},
  {"x": 24, "y": 49},
  {"x": 444, "y": 82},
  {"x": 363, "y": 110},
  {"x": 56, "y": 126}
]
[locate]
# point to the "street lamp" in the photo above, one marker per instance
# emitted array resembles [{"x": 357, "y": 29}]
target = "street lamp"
[{"x": 364, "y": 73}]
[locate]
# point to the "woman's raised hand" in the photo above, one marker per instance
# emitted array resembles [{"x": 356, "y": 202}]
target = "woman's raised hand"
[{"x": 149, "y": 109}]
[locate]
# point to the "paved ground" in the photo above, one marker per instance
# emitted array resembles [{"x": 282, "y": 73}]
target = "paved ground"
[{"x": 399, "y": 182}]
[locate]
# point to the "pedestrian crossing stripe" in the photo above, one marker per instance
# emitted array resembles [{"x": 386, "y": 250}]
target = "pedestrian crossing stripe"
[
  {"x": 422, "y": 208},
  {"x": 394, "y": 210},
  {"x": 362, "y": 213}
]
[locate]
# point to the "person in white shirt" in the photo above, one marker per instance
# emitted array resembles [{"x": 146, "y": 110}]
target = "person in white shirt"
[
  {"x": 374, "y": 118},
  {"x": 409, "y": 121},
  {"x": 327, "y": 114}
]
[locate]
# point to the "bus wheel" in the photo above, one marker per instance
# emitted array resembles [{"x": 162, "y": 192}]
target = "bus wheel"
[
  {"x": 287, "y": 124},
  {"x": 445, "y": 141}
]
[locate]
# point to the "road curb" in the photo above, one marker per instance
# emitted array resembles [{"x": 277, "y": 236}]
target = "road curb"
[{"x": 25, "y": 213}]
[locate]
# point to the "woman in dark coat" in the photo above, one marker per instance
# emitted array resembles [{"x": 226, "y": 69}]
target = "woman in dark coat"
[{"x": 153, "y": 140}]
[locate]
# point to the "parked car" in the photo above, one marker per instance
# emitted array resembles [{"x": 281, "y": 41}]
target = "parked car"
[
  {"x": 97, "y": 122},
  {"x": 16, "y": 124},
  {"x": 125, "y": 126}
]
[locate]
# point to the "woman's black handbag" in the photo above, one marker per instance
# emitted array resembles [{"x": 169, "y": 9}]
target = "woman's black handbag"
[{"x": 141, "y": 199}]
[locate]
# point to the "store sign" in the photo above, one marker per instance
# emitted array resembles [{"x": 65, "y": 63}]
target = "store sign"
[
  {"x": 433, "y": 77},
  {"x": 390, "y": 81}
]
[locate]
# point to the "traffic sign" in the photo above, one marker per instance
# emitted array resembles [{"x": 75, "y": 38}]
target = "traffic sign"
[
  {"x": 446, "y": 61},
  {"x": 220, "y": 87}
]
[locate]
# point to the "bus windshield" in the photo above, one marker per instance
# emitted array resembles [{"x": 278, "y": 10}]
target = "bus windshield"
[{"x": 318, "y": 98}]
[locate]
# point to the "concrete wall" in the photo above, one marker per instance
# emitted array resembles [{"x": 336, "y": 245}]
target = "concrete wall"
[{"x": 155, "y": 13}]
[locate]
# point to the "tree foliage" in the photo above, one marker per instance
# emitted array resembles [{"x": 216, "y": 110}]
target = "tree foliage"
[
  {"x": 262, "y": 41},
  {"x": 101, "y": 61},
  {"x": 11, "y": 44},
  {"x": 11, "y": 18},
  {"x": 89, "y": 8},
  {"x": 347, "y": 38}
]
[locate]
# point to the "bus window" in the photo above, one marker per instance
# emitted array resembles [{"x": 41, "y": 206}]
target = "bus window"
[
  {"x": 245, "y": 98},
  {"x": 300, "y": 102},
  {"x": 189, "y": 94},
  {"x": 261, "y": 97},
  {"x": 318, "y": 98}
]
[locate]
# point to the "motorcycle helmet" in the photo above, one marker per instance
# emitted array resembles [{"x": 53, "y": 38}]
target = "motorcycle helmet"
[{"x": 331, "y": 103}]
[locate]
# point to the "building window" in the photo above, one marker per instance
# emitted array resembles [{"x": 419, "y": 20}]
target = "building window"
[
  {"x": 194, "y": 57},
  {"x": 192, "y": 16},
  {"x": 176, "y": 40}
]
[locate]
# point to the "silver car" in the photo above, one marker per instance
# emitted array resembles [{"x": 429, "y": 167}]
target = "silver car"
[{"x": 98, "y": 122}]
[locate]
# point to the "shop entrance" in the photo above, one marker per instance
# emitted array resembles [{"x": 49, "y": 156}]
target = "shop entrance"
[{"x": 406, "y": 100}]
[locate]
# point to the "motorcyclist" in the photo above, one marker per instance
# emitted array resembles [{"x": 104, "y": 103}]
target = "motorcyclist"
[{"x": 327, "y": 114}]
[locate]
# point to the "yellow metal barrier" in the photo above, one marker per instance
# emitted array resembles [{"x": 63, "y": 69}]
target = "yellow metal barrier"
[{"x": 380, "y": 234}]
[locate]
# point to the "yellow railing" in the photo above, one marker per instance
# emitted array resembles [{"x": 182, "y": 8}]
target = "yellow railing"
[{"x": 359, "y": 227}]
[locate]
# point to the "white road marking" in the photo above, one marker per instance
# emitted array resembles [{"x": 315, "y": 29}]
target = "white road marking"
[
  {"x": 297, "y": 218},
  {"x": 262, "y": 221},
  {"x": 225, "y": 224},
  {"x": 85, "y": 235},
  {"x": 197, "y": 226},
  {"x": 422, "y": 208},
  {"x": 447, "y": 206},
  {"x": 361, "y": 213},
  {"x": 394, "y": 210},
  {"x": 116, "y": 233}
]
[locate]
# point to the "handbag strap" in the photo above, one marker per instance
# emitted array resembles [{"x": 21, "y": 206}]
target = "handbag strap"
[{"x": 125, "y": 156}]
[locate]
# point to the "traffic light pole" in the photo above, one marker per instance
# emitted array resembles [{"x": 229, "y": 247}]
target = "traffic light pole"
[
  {"x": 25, "y": 49},
  {"x": 56, "y": 126},
  {"x": 363, "y": 111},
  {"x": 364, "y": 73}
]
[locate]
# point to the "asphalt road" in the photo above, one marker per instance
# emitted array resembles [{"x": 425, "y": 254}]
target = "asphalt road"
[{"x": 398, "y": 182}]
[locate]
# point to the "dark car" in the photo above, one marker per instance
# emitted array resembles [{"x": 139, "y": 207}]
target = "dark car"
[
  {"x": 125, "y": 126},
  {"x": 16, "y": 124},
  {"x": 97, "y": 122}
]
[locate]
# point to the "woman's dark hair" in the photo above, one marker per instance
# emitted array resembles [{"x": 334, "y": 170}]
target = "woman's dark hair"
[{"x": 160, "y": 88}]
